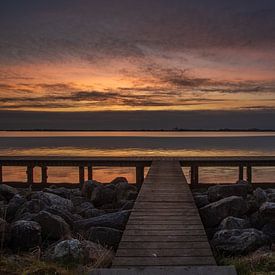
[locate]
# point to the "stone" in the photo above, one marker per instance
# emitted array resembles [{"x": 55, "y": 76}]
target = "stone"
[
  {"x": 256, "y": 220},
  {"x": 25, "y": 235},
  {"x": 238, "y": 241},
  {"x": 233, "y": 223},
  {"x": 105, "y": 236},
  {"x": 7, "y": 191},
  {"x": 5, "y": 232},
  {"x": 269, "y": 230},
  {"x": 267, "y": 210},
  {"x": 271, "y": 197},
  {"x": 213, "y": 213},
  {"x": 201, "y": 200},
  {"x": 119, "y": 180},
  {"x": 94, "y": 212},
  {"x": 52, "y": 226},
  {"x": 88, "y": 187},
  {"x": 52, "y": 199},
  {"x": 13, "y": 206},
  {"x": 218, "y": 192},
  {"x": 253, "y": 204},
  {"x": 102, "y": 195},
  {"x": 260, "y": 195},
  {"x": 125, "y": 191},
  {"x": 116, "y": 220},
  {"x": 61, "y": 191},
  {"x": 127, "y": 205}
]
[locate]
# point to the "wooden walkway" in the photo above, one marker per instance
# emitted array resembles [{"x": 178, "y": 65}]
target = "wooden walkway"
[{"x": 164, "y": 228}]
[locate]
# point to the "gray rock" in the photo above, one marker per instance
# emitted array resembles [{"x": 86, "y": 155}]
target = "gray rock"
[
  {"x": 105, "y": 236},
  {"x": 91, "y": 213},
  {"x": 116, "y": 220},
  {"x": 125, "y": 191},
  {"x": 119, "y": 180},
  {"x": 260, "y": 195},
  {"x": 88, "y": 187},
  {"x": 127, "y": 205},
  {"x": 5, "y": 232},
  {"x": 233, "y": 223},
  {"x": 201, "y": 200},
  {"x": 218, "y": 192},
  {"x": 271, "y": 197},
  {"x": 7, "y": 191},
  {"x": 269, "y": 230},
  {"x": 25, "y": 235},
  {"x": 13, "y": 206},
  {"x": 238, "y": 242},
  {"x": 102, "y": 195},
  {"x": 256, "y": 220},
  {"x": 213, "y": 213},
  {"x": 52, "y": 199},
  {"x": 52, "y": 226},
  {"x": 267, "y": 210},
  {"x": 61, "y": 191},
  {"x": 253, "y": 204}
]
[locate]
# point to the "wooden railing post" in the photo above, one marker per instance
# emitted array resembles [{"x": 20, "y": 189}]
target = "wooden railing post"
[
  {"x": 139, "y": 174},
  {"x": 194, "y": 174},
  {"x": 249, "y": 173},
  {"x": 81, "y": 175},
  {"x": 30, "y": 174},
  {"x": 1, "y": 174},
  {"x": 90, "y": 172},
  {"x": 44, "y": 174},
  {"x": 241, "y": 172}
]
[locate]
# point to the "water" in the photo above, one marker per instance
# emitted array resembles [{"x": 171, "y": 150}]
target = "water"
[{"x": 174, "y": 144}]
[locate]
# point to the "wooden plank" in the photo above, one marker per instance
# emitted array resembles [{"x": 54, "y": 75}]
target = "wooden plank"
[
  {"x": 164, "y": 232},
  {"x": 167, "y": 226},
  {"x": 166, "y": 238}
]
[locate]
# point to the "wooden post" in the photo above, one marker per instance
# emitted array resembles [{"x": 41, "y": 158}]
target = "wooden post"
[
  {"x": 139, "y": 174},
  {"x": 241, "y": 172},
  {"x": 194, "y": 174},
  {"x": 81, "y": 175},
  {"x": 44, "y": 174},
  {"x": 1, "y": 174},
  {"x": 30, "y": 174},
  {"x": 90, "y": 172},
  {"x": 249, "y": 173}
]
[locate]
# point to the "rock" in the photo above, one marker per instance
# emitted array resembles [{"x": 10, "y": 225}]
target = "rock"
[
  {"x": 218, "y": 192},
  {"x": 88, "y": 187},
  {"x": 5, "y": 233},
  {"x": 233, "y": 223},
  {"x": 127, "y": 205},
  {"x": 238, "y": 242},
  {"x": 271, "y": 197},
  {"x": 256, "y": 220},
  {"x": 7, "y": 191},
  {"x": 253, "y": 204},
  {"x": 116, "y": 220},
  {"x": 125, "y": 191},
  {"x": 213, "y": 213},
  {"x": 105, "y": 236},
  {"x": 267, "y": 210},
  {"x": 25, "y": 235},
  {"x": 90, "y": 213},
  {"x": 78, "y": 200},
  {"x": 52, "y": 199},
  {"x": 61, "y": 191},
  {"x": 14, "y": 204},
  {"x": 102, "y": 195},
  {"x": 269, "y": 230},
  {"x": 79, "y": 252},
  {"x": 119, "y": 180},
  {"x": 260, "y": 195},
  {"x": 242, "y": 182},
  {"x": 52, "y": 226},
  {"x": 201, "y": 200},
  {"x": 68, "y": 217}
]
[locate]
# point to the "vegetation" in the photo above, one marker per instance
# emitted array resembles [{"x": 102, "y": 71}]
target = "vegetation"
[{"x": 255, "y": 264}]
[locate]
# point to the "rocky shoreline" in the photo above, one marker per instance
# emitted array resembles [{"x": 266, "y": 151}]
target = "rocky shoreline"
[
  {"x": 66, "y": 225},
  {"x": 237, "y": 218}
]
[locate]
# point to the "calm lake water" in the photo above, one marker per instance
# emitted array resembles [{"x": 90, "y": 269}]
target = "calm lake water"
[{"x": 178, "y": 144}]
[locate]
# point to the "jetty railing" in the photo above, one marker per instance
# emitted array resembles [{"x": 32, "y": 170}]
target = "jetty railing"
[{"x": 139, "y": 163}]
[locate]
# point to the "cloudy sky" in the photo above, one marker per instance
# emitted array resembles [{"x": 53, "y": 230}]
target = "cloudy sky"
[{"x": 137, "y": 55}]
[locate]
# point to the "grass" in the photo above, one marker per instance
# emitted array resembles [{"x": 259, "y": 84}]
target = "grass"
[{"x": 254, "y": 264}]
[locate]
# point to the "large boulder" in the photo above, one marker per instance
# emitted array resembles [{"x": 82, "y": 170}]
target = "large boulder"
[
  {"x": 213, "y": 213},
  {"x": 269, "y": 230},
  {"x": 267, "y": 210},
  {"x": 88, "y": 187},
  {"x": 238, "y": 242},
  {"x": 5, "y": 233},
  {"x": 61, "y": 192},
  {"x": 119, "y": 180},
  {"x": 7, "y": 191},
  {"x": 253, "y": 204},
  {"x": 116, "y": 220},
  {"x": 13, "y": 206},
  {"x": 106, "y": 236},
  {"x": 50, "y": 199},
  {"x": 125, "y": 191},
  {"x": 218, "y": 192},
  {"x": 74, "y": 252},
  {"x": 25, "y": 235},
  {"x": 233, "y": 223},
  {"x": 257, "y": 220},
  {"x": 102, "y": 195},
  {"x": 260, "y": 195},
  {"x": 201, "y": 200},
  {"x": 52, "y": 226}
]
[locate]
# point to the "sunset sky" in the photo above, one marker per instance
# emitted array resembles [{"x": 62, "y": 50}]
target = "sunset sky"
[{"x": 137, "y": 55}]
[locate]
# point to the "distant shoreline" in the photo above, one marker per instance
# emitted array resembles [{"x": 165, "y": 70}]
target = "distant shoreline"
[{"x": 140, "y": 130}]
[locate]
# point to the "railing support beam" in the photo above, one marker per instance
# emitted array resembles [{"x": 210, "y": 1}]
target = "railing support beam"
[
  {"x": 81, "y": 175},
  {"x": 241, "y": 172},
  {"x": 1, "y": 174},
  {"x": 30, "y": 174},
  {"x": 249, "y": 173},
  {"x": 90, "y": 172},
  {"x": 139, "y": 175},
  {"x": 194, "y": 174},
  {"x": 44, "y": 174}
]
